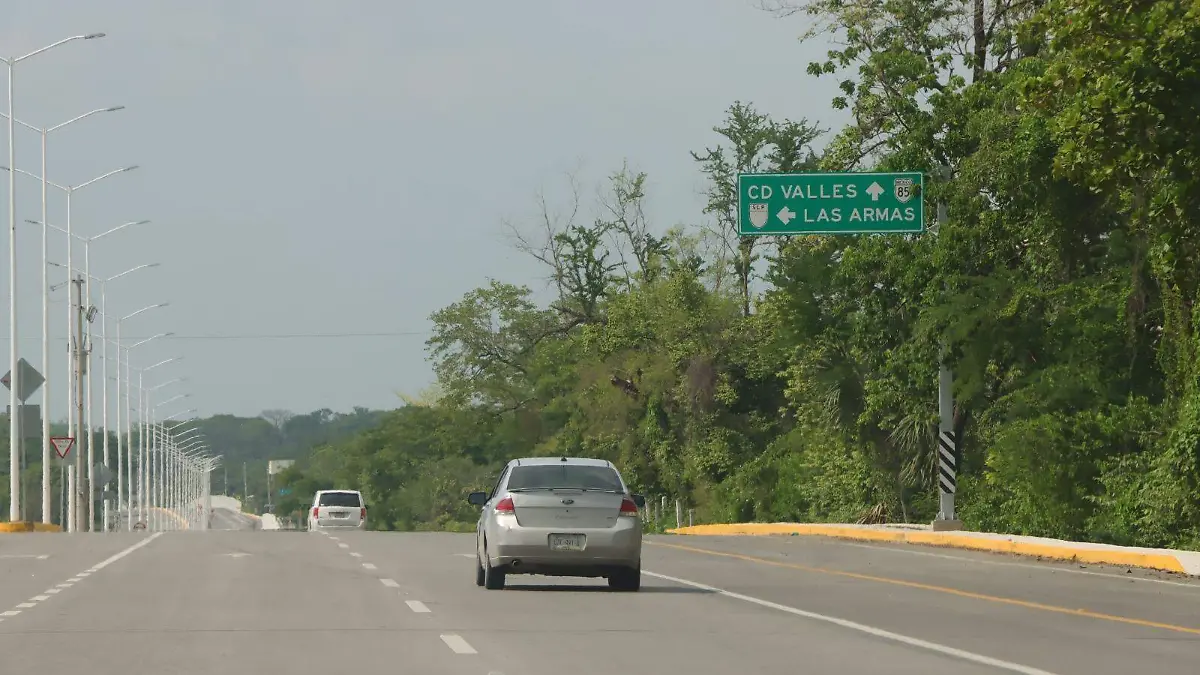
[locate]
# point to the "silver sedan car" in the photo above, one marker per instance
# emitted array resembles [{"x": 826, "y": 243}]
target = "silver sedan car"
[{"x": 559, "y": 517}]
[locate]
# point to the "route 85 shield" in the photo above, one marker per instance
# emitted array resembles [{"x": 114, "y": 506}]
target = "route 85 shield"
[
  {"x": 759, "y": 215},
  {"x": 903, "y": 189}
]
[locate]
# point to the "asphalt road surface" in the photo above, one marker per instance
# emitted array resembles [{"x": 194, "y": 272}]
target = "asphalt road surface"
[
  {"x": 359, "y": 602},
  {"x": 225, "y": 519}
]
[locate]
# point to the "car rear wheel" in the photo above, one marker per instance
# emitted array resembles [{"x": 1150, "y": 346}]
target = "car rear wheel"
[
  {"x": 493, "y": 577},
  {"x": 629, "y": 579},
  {"x": 480, "y": 577}
]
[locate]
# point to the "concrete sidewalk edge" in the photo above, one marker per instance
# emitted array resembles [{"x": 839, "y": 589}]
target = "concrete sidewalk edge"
[
  {"x": 28, "y": 527},
  {"x": 1182, "y": 562}
]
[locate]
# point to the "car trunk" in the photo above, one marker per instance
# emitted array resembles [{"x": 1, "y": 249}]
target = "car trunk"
[
  {"x": 567, "y": 508},
  {"x": 339, "y": 510}
]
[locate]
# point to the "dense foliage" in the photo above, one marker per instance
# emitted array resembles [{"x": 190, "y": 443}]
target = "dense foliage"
[{"x": 1063, "y": 284}]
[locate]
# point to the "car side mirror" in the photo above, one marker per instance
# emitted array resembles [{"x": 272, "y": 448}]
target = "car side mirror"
[
  {"x": 477, "y": 498},
  {"x": 640, "y": 500}
]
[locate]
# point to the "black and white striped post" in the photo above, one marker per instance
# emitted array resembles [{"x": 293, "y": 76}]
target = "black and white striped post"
[{"x": 947, "y": 447}]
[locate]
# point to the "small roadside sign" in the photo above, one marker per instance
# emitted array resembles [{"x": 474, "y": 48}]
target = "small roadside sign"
[
  {"x": 62, "y": 445},
  {"x": 31, "y": 380}
]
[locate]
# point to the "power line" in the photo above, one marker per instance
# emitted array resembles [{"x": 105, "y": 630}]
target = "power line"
[{"x": 263, "y": 336}]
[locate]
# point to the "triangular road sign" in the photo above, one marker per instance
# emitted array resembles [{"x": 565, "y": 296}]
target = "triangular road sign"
[{"x": 62, "y": 445}]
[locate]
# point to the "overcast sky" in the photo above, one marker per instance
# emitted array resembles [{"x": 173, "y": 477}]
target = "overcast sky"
[{"x": 344, "y": 167}]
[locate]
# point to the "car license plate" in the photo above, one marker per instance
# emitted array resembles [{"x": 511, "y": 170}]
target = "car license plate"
[
  {"x": 339, "y": 514},
  {"x": 567, "y": 542}
]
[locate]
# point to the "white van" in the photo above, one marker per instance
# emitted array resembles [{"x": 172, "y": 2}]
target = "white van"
[{"x": 337, "y": 509}]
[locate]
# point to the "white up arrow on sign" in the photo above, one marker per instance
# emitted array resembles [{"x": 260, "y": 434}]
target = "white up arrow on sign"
[{"x": 874, "y": 189}]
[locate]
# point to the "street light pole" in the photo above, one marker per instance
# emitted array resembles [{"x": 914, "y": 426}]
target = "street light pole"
[
  {"x": 44, "y": 132},
  {"x": 104, "y": 380},
  {"x": 14, "y": 427},
  {"x": 85, "y": 348}
]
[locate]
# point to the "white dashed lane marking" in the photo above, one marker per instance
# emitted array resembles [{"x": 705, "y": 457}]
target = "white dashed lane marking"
[
  {"x": 356, "y": 555},
  {"x": 33, "y": 602},
  {"x": 458, "y": 645},
  {"x": 390, "y": 583},
  {"x": 369, "y": 566},
  {"x": 417, "y": 606}
]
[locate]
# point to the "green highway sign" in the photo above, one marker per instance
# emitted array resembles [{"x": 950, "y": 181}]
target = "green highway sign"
[{"x": 830, "y": 203}]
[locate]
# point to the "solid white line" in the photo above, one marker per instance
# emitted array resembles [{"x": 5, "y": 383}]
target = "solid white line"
[
  {"x": 390, "y": 583},
  {"x": 1029, "y": 566},
  {"x": 458, "y": 645},
  {"x": 43, "y": 557},
  {"x": 466, "y": 555},
  {"x": 863, "y": 628},
  {"x": 84, "y": 575},
  {"x": 369, "y": 566},
  {"x": 417, "y": 606}
]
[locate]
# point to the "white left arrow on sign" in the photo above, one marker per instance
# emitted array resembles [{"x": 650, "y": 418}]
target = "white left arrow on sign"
[{"x": 786, "y": 215}]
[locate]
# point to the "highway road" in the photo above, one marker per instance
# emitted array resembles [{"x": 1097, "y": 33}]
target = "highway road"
[
  {"x": 259, "y": 601},
  {"x": 226, "y": 519}
]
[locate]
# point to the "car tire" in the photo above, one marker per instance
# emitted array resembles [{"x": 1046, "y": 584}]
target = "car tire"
[
  {"x": 629, "y": 579},
  {"x": 493, "y": 577},
  {"x": 480, "y": 577}
]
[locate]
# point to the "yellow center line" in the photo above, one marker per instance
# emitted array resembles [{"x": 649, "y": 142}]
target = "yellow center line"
[{"x": 939, "y": 589}]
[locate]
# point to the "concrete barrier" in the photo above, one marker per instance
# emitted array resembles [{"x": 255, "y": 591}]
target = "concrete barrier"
[{"x": 1182, "y": 562}]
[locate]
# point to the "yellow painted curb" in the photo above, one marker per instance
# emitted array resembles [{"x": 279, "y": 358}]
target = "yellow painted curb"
[
  {"x": 29, "y": 527},
  {"x": 1156, "y": 561}
]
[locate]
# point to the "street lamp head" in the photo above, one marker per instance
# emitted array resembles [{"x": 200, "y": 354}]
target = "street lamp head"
[
  {"x": 93, "y": 36},
  {"x": 115, "y": 108},
  {"x": 130, "y": 168}
]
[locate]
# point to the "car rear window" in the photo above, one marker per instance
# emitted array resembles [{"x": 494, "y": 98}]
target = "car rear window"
[
  {"x": 571, "y": 476},
  {"x": 339, "y": 499}
]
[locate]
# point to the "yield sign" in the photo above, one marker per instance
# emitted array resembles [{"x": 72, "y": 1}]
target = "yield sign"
[{"x": 62, "y": 445}]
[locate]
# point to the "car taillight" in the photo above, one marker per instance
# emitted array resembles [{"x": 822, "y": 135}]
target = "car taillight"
[
  {"x": 315, "y": 510},
  {"x": 505, "y": 506},
  {"x": 362, "y": 513},
  {"x": 629, "y": 508}
]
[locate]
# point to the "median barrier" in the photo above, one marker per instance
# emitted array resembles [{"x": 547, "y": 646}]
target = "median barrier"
[
  {"x": 28, "y": 527},
  {"x": 1167, "y": 560}
]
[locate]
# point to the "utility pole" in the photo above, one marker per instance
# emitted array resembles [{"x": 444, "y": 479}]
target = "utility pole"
[
  {"x": 80, "y": 492},
  {"x": 245, "y": 487}
]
